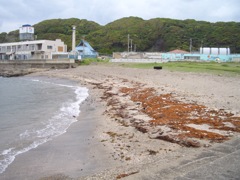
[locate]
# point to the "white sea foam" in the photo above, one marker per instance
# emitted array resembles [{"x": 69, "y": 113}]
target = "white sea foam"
[
  {"x": 36, "y": 80},
  {"x": 54, "y": 127}
]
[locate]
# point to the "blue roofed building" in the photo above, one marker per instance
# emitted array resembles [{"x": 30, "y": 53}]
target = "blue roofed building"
[{"x": 85, "y": 50}]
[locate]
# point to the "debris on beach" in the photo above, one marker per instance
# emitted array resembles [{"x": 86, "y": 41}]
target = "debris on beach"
[
  {"x": 163, "y": 117},
  {"x": 189, "y": 123},
  {"x": 120, "y": 176}
]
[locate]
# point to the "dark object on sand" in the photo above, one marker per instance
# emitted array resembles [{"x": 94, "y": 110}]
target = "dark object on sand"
[{"x": 157, "y": 67}]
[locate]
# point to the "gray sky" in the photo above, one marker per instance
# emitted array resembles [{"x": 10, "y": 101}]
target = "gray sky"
[{"x": 15, "y": 13}]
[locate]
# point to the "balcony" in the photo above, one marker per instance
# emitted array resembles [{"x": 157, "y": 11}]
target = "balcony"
[{"x": 20, "y": 48}]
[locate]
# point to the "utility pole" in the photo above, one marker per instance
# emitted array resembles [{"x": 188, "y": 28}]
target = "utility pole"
[
  {"x": 131, "y": 45},
  {"x": 128, "y": 43},
  {"x": 83, "y": 40},
  {"x": 190, "y": 48}
]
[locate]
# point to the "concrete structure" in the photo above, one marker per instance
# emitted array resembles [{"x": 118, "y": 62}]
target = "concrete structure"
[
  {"x": 38, "y": 49},
  {"x": 26, "y": 33},
  {"x": 73, "y": 38},
  {"x": 9, "y": 68}
]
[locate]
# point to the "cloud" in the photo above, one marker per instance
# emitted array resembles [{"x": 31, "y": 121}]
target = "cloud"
[{"x": 14, "y": 13}]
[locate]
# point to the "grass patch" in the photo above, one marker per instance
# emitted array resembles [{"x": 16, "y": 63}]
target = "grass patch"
[
  {"x": 88, "y": 61},
  {"x": 227, "y": 68}
]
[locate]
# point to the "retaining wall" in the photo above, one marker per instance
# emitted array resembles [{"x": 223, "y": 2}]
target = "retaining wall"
[{"x": 22, "y": 67}]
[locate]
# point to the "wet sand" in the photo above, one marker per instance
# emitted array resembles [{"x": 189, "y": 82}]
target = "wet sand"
[
  {"x": 105, "y": 143},
  {"x": 73, "y": 154}
]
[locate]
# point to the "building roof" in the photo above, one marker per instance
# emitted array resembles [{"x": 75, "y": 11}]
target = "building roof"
[
  {"x": 26, "y": 25},
  {"x": 29, "y": 42},
  {"x": 85, "y": 49},
  {"x": 84, "y": 43},
  {"x": 179, "y": 51}
]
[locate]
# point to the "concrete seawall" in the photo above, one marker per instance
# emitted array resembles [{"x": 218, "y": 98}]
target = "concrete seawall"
[{"x": 9, "y": 68}]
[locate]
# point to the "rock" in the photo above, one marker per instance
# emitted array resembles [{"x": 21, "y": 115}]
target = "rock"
[
  {"x": 112, "y": 92},
  {"x": 141, "y": 129}
]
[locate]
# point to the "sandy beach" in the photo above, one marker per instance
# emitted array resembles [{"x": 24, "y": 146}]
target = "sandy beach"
[{"x": 136, "y": 122}]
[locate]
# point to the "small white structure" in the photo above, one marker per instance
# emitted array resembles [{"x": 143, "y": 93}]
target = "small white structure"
[
  {"x": 38, "y": 49},
  {"x": 215, "y": 51},
  {"x": 26, "y": 33}
]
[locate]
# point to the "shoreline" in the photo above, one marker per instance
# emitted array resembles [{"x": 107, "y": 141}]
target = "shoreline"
[
  {"x": 72, "y": 154},
  {"x": 125, "y": 149}
]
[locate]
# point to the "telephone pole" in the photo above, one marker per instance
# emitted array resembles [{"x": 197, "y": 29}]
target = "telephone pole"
[
  {"x": 190, "y": 48},
  {"x": 131, "y": 45},
  {"x": 128, "y": 43}
]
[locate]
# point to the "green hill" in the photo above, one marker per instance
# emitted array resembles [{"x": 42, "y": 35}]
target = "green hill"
[{"x": 159, "y": 34}]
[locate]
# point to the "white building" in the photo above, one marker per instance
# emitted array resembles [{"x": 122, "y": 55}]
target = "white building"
[
  {"x": 215, "y": 51},
  {"x": 38, "y": 49},
  {"x": 26, "y": 33}
]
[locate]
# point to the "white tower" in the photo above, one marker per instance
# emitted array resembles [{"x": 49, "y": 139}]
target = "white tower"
[
  {"x": 73, "y": 37},
  {"x": 26, "y": 33}
]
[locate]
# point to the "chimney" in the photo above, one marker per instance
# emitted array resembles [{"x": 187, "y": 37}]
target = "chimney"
[{"x": 73, "y": 37}]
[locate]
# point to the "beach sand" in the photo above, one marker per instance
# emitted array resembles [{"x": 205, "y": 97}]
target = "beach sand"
[{"x": 114, "y": 138}]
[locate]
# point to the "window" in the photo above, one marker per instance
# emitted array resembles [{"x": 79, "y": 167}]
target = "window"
[
  {"x": 31, "y": 47},
  {"x": 4, "y": 49},
  {"x": 192, "y": 57},
  {"x": 49, "y": 47},
  {"x": 60, "y": 49},
  {"x": 39, "y": 46}
]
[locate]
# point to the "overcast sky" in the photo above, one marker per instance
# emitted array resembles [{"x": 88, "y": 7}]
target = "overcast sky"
[{"x": 15, "y": 13}]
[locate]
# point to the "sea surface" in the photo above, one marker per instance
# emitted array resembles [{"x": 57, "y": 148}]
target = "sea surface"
[{"x": 34, "y": 111}]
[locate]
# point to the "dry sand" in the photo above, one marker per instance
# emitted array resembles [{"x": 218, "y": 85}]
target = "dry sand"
[{"x": 117, "y": 140}]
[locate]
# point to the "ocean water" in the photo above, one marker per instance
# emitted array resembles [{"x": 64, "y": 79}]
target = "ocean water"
[{"x": 34, "y": 111}]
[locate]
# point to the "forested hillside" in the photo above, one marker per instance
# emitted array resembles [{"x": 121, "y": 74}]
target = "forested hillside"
[{"x": 159, "y": 34}]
